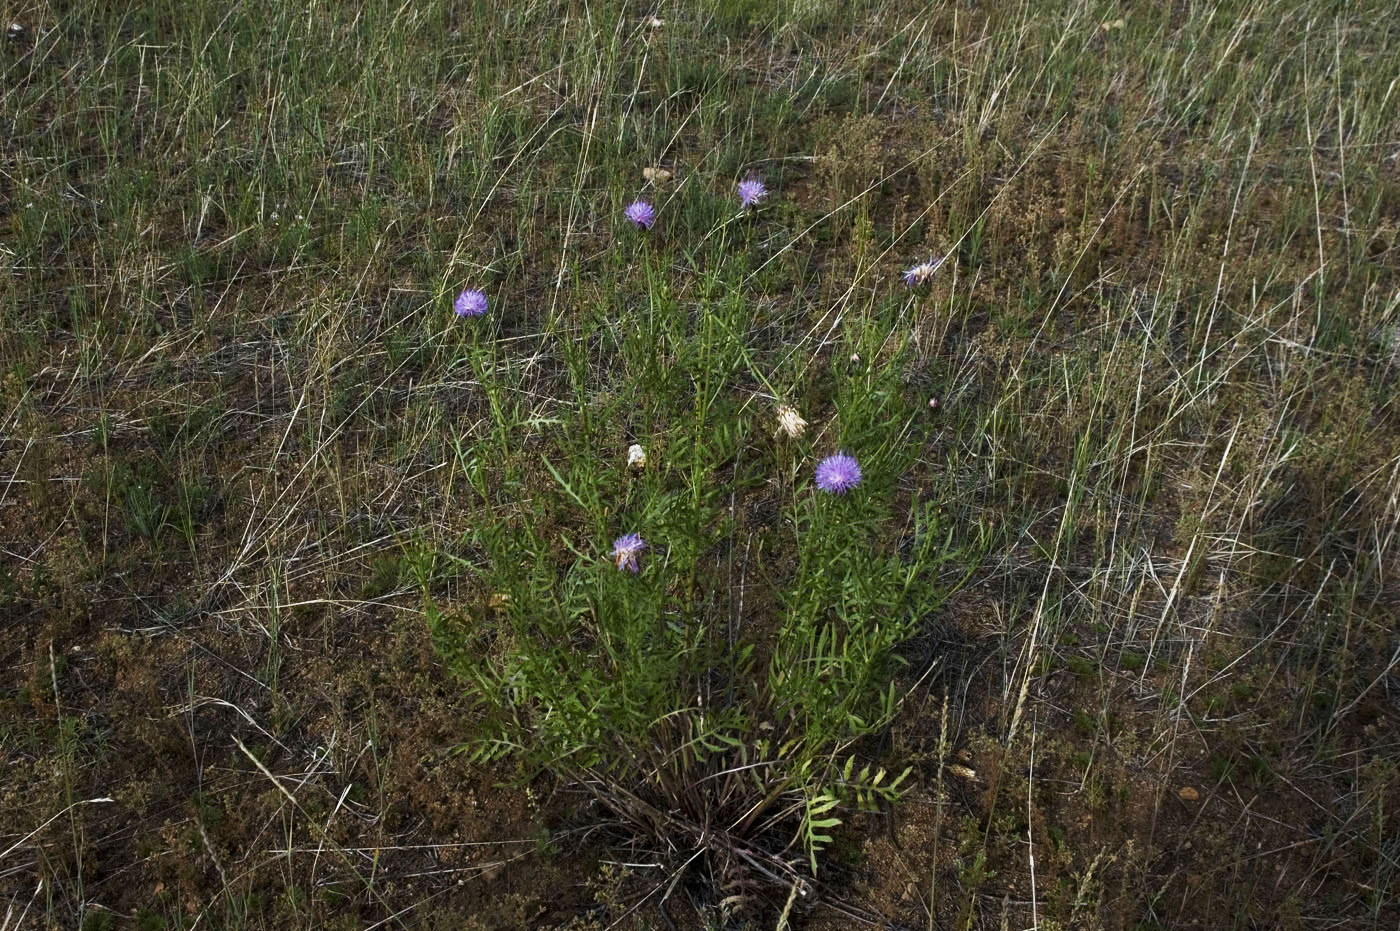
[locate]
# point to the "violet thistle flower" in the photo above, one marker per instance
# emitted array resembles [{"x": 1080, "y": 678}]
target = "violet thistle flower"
[
  {"x": 626, "y": 549},
  {"x": 922, "y": 272},
  {"x": 470, "y": 303},
  {"x": 751, "y": 191},
  {"x": 641, "y": 214},
  {"x": 838, "y": 474}
]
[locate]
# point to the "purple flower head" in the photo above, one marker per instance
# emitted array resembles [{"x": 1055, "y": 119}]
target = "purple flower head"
[
  {"x": 641, "y": 214},
  {"x": 470, "y": 303},
  {"x": 626, "y": 549},
  {"x": 922, "y": 272},
  {"x": 838, "y": 474},
  {"x": 751, "y": 191}
]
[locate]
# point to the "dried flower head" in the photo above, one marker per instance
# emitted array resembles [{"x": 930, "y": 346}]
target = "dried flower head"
[
  {"x": 656, "y": 175},
  {"x": 922, "y": 272},
  {"x": 790, "y": 421},
  {"x": 470, "y": 304},
  {"x": 838, "y": 473},
  {"x": 626, "y": 549},
  {"x": 751, "y": 191},
  {"x": 641, "y": 214},
  {"x": 636, "y": 457}
]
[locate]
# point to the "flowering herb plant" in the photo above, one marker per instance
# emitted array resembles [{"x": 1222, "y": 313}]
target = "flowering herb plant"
[{"x": 703, "y": 633}]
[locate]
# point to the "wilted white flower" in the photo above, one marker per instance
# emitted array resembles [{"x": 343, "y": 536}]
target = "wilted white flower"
[
  {"x": 922, "y": 272},
  {"x": 636, "y": 457},
  {"x": 791, "y": 422}
]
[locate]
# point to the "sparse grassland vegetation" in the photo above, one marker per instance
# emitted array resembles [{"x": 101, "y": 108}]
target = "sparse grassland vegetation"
[{"x": 262, "y": 493}]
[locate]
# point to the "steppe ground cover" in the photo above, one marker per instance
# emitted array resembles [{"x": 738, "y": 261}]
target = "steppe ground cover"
[{"x": 247, "y": 448}]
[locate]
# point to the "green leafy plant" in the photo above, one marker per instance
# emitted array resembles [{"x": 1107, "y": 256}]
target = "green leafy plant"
[{"x": 710, "y": 731}]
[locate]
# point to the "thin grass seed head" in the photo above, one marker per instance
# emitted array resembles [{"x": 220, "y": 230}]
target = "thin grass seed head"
[
  {"x": 640, "y": 214},
  {"x": 626, "y": 550},
  {"x": 751, "y": 191},
  {"x": 470, "y": 303},
  {"x": 922, "y": 272},
  {"x": 838, "y": 473}
]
